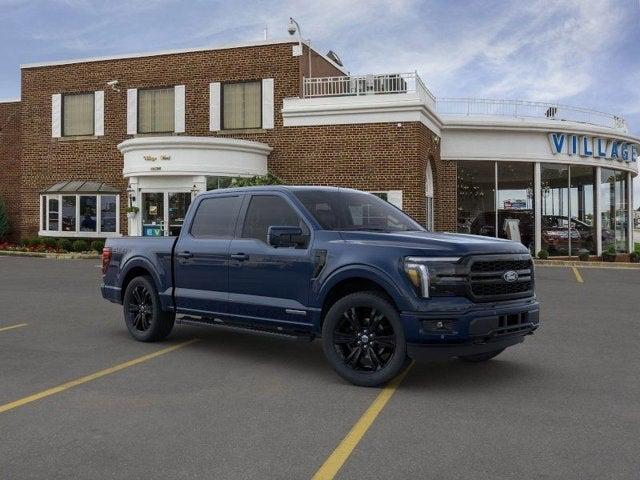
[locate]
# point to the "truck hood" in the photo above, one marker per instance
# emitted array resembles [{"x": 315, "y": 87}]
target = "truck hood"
[{"x": 437, "y": 244}]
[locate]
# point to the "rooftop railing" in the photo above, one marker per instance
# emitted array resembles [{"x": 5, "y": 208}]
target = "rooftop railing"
[
  {"x": 526, "y": 109},
  {"x": 356, "y": 85}
]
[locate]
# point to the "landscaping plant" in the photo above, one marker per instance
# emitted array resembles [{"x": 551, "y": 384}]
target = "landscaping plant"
[
  {"x": 80, "y": 246},
  {"x": 543, "y": 254},
  {"x": 97, "y": 245}
]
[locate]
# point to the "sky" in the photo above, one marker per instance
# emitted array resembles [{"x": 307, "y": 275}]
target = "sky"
[{"x": 577, "y": 52}]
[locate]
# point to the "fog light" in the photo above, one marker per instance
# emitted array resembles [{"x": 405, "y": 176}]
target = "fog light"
[{"x": 438, "y": 326}]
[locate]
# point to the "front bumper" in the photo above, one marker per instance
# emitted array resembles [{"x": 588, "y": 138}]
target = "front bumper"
[{"x": 456, "y": 326}]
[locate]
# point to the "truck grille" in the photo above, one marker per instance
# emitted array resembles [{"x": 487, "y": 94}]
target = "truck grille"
[{"x": 487, "y": 280}]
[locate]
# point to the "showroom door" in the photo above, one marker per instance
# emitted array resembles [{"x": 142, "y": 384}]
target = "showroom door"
[{"x": 163, "y": 213}]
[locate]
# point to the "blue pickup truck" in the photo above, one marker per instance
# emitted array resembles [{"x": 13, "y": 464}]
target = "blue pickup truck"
[{"x": 334, "y": 263}]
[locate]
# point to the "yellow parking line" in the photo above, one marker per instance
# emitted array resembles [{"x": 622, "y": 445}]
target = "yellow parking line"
[
  {"x": 93, "y": 376},
  {"x": 332, "y": 465},
  {"x": 4, "y": 329},
  {"x": 576, "y": 272}
]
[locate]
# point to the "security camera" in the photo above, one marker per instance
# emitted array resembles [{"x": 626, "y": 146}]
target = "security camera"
[
  {"x": 292, "y": 27},
  {"x": 113, "y": 84}
]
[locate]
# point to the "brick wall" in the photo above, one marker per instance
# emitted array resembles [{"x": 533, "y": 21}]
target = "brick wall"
[
  {"x": 366, "y": 156},
  {"x": 9, "y": 160}
]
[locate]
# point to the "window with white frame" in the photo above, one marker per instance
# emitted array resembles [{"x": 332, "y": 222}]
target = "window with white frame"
[
  {"x": 78, "y": 114},
  {"x": 241, "y": 105},
  {"x": 429, "y": 199},
  {"x": 156, "y": 110},
  {"x": 79, "y": 215}
]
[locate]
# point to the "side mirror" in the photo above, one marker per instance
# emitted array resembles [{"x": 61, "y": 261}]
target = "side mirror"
[{"x": 284, "y": 236}]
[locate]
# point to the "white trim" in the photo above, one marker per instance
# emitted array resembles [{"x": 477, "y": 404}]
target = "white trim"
[
  {"x": 179, "y": 109},
  {"x": 56, "y": 115},
  {"x": 215, "y": 118},
  {"x": 176, "y": 52},
  {"x": 268, "y": 107},
  {"x": 598, "y": 208},
  {"x": 537, "y": 207},
  {"x": 46, "y": 232},
  {"x": 10, "y": 100},
  {"x": 630, "y": 243},
  {"x": 132, "y": 111},
  {"x": 98, "y": 113}
]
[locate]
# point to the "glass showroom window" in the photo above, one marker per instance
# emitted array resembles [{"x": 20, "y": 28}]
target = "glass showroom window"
[
  {"x": 79, "y": 216},
  {"x": 477, "y": 198},
  {"x": 78, "y": 114},
  {"x": 615, "y": 217},
  {"x": 516, "y": 219},
  {"x": 582, "y": 196},
  {"x": 213, "y": 183},
  {"x": 554, "y": 180},
  {"x": 156, "y": 110},
  {"x": 241, "y": 105}
]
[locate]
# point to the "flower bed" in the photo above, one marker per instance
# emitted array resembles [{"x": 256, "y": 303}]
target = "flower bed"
[{"x": 47, "y": 246}]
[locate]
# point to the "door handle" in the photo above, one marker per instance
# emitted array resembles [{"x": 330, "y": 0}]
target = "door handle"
[
  {"x": 185, "y": 255},
  {"x": 241, "y": 257}
]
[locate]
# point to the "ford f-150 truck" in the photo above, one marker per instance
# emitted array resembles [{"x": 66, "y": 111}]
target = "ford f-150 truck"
[{"x": 337, "y": 263}]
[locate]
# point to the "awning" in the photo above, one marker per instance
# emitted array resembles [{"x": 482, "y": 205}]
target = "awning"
[{"x": 81, "y": 186}]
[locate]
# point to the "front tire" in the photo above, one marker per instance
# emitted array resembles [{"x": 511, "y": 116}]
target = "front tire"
[
  {"x": 481, "y": 357},
  {"x": 143, "y": 314},
  {"x": 363, "y": 339}
]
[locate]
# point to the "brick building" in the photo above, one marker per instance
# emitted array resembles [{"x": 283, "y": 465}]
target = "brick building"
[{"x": 90, "y": 137}]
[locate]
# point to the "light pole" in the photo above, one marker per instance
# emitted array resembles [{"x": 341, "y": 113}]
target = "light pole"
[{"x": 292, "y": 29}]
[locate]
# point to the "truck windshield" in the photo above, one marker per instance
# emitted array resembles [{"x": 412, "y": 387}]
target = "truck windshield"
[{"x": 348, "y": 210}]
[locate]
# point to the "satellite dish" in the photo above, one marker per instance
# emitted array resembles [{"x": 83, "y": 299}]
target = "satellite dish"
[{"x": 334, "y": 56}]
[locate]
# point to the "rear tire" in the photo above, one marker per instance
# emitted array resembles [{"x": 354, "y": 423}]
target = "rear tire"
[
  {"x": 143, "y": 314},
  {"x": 481, "y": 357},
  {"x": 363, "y": 339}
]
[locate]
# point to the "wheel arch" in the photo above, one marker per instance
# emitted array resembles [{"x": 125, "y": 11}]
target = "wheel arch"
[{"x": 137, "y": 268}]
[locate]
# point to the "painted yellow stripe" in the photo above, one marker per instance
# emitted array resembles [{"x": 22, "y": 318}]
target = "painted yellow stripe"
[
  {"x": 576, "y": 272},
  {"x": 94, "y": 376},
  {"x": 4, "y": 329},
  {"x": 334, "y": 463}
]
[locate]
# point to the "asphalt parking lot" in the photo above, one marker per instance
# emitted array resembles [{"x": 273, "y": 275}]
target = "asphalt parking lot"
[{"x": 565, "y": 404}]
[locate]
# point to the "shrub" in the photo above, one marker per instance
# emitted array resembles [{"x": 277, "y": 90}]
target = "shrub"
[
  {"x": 35, "y": 241},
  {"x": 268, "y": 179},
  {"x": 543, "y": 254},
  {"x": 65, "y": 244},
  {"x": 97, "y": 245},
  {"x": 4, "y": 221},
  {"x": 50, "y": 242},
  {"x": 634, "y": 257},
  {"x": 609, "y": 255},
  {"x": 26, "y": 242},
  {"x": 583, "y": 254},
  {"x": 80, "y": 246}
]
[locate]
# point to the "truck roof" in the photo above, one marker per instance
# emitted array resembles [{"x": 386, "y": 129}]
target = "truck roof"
[{"x": 279, "y": 188}]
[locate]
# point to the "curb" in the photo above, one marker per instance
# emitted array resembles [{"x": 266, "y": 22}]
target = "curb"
[
  {"x": 55, "y": 256},
  {"x": 575, "y": 263}
]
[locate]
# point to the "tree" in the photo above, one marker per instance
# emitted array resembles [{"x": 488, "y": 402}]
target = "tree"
[
  {"x": 4, "y": 221},
  {"x": 268, "y": 179}
]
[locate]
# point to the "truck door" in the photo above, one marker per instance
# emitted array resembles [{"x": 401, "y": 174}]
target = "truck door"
[
  {"x": 266, "y": 283},
  {"x": 201, "y": 262}
]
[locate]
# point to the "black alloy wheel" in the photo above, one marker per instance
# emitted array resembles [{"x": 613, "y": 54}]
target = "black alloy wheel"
[
  {"x": 143, "y": 314},
  {"x": 363, "y": 339}
]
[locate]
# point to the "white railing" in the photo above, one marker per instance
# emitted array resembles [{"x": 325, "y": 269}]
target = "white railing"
[
  {"x": 355, "y": 85},
  {"x": 526, "y": 109}
]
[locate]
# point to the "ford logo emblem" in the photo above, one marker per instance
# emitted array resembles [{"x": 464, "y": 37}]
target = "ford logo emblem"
[{"x": 510, "y": 276}]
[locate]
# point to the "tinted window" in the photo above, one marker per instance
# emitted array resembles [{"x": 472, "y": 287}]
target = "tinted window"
[
  {"x": 216, "y": 217},
  {"x": 351, "y": 210},
  {"x": 269, "y": 210}
]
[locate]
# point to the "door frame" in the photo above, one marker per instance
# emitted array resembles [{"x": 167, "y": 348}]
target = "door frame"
[{"x": 165, "y": 203}]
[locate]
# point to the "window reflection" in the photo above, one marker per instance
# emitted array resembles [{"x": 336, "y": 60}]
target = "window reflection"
[
  {"x": 615, "y": 218},
  {"x": 516, "y": 203},
  {"x": 476, "y": 198},
  {"x": 554, "y": 180}
]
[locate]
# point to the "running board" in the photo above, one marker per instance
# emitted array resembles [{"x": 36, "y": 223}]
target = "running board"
[{"x": 262, "y": 331}]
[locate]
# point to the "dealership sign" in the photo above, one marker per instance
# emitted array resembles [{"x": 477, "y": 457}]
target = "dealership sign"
[{"x": 597, "y": 147}]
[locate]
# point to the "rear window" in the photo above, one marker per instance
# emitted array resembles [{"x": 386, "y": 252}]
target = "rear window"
[{"x": 216, "y": 217}]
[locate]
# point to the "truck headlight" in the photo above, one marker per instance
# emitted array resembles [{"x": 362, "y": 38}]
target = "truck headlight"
[{"x": 427, "y": 273}]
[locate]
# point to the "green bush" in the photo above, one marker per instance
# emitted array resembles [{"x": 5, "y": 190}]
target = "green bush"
[
  {"x": 4, "y": 221},
  {"x": 97, "y": 245},
  {"x": 26, "y": 242},
  {"x": 80, "y": 246},
  {"x": 634, "y": 257},
  {"x": 268, "y": 179},
  {"x": 50, "y": 242},
  {"x": 34, "y": 241},
  {"x": 543, "y": 254},
  {"x": 65, "y": 244},
  {"x": 583, "y": 254}
]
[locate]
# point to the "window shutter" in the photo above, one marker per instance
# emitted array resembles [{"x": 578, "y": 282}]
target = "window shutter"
[
  {"x": 215, "y": 112},
  {"x": 179, "y": 99},
  {"x": 56, "y": 115},
  {"x": 267, "y": 103},
  {"x": 394, "y": 197},
  {"x": 98, "y": 112},
  {"x": 132, "y": 111}
]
